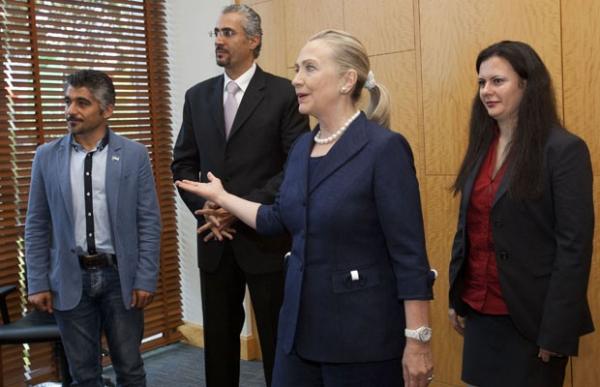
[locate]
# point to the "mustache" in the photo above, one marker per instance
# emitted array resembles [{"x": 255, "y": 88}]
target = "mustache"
[
  {"x": 221, "y": 49},
  {"x": 73, "y": 119}
]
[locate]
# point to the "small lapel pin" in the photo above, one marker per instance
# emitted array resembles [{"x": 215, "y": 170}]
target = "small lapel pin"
[{"x": 115, "y": 158}]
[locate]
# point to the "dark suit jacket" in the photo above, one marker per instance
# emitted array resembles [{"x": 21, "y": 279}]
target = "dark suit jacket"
[
  {"x": 543, "y": 248},
  {"x": 360, "y": 212},
  {"x": 250, "y": 162}
]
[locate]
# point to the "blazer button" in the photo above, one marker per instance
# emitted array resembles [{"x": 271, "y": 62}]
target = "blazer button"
[{"x": 503, "y": 255}]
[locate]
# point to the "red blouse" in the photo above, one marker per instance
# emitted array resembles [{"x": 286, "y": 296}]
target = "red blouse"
[{"x": 482, "y": 288}]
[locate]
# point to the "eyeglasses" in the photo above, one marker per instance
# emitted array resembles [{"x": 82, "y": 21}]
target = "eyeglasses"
[{"x": 225, "y": 32}]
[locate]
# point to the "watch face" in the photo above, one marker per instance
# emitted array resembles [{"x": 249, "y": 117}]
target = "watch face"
[{"x": 425, "y": 334}]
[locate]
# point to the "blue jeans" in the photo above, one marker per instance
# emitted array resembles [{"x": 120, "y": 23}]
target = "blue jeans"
[{"x": 101, "y": 309}]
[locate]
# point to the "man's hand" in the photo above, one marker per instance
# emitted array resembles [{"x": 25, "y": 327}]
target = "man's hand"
[
  {"x": 42, "y": 301},
  {"x": 218, "y": 221},
  {"x": 457, "y": 322},
  {"x": 211, "y": 221},
  {"x": 141, "y": 298}
]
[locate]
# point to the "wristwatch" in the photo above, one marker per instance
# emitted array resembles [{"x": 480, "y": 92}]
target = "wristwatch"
[{"x": 422, "y": 334}]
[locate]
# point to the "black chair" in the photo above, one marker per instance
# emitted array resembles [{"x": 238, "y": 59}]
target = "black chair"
[{"x": 35, "y": 327}]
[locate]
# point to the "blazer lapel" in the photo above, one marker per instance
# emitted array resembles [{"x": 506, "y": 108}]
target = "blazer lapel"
[
  {"x": 466, "y": 194},
  {"x": 304, "y": 147},
  {"x": 216, "y": 100},
  {"x": 347, "y": 146},
  {"x": 114, "y": 166},
  {"x": 503, "y": 186},
  {"x": 253, "y": 95},
  {"x": 64, "y": 174}
]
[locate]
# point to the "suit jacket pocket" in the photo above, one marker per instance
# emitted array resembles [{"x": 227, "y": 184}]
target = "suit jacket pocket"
[
  {"x": 355, "y": 279},
  {"x": 544, "y": 266},
  {"x": 542, "y": 270}
]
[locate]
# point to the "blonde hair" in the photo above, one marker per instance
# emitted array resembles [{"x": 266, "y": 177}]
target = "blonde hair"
[{"x": 350, "y": 54}]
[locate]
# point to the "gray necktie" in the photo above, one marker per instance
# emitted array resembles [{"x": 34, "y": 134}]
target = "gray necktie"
[{"x": 230, "y": 107}]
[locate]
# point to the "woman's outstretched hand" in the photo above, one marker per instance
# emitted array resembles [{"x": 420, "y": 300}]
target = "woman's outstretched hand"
[
  {"x": 226, "y": 207},
  {"x": 213, "y": 190}
]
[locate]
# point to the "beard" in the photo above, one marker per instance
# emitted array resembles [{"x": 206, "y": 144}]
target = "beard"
[
  {"x": 223, "y": 57},
  {"x": 80, "y": 130},
  {"x": 80, "y": 127}
]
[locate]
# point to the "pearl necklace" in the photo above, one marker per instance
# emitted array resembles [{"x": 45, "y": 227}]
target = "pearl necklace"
[{"x": 338, "y": 133}]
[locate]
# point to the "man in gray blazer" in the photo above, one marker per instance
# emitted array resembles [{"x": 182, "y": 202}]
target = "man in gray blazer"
[{"x": 92, "y": 235}]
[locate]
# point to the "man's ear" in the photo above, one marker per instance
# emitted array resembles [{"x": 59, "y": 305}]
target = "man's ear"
[
  {"x": 108, "y": 111},
  {"x": 254, "y": 41}
]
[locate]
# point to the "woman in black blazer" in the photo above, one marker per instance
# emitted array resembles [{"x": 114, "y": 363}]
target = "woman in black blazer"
[
  {"x": 357, "y": 275},
  {"x": 522, "y": 251}
]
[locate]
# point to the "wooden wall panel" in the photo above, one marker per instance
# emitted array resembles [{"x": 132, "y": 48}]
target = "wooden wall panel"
[
  {"x": 452, "y": 33},
  {"x": 440, "y": 209},
  {"x": 252, "y": 3},
  {"x": 581, "y": 58},
  {"x": 397, "y": 73},
  {"x": 581, "y": 61},
  {"x": 307, "y": 17},
  {"x": 271, "y": 58},
  {"x": 383, "y": 26}
]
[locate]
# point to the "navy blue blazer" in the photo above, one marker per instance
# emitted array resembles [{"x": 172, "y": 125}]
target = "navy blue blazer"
[{"x": 359, "y": 217}]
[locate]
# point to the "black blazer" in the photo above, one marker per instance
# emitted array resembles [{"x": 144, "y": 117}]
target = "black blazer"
[
  {"x": 250, "y": 162},
  {"x": 543, "y": 248}
]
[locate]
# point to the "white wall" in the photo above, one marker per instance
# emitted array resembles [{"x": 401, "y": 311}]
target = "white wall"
[{"x": 191, "y": 60}]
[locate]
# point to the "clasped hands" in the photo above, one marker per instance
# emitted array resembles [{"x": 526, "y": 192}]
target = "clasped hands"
[{"x": 218, "y": 220}]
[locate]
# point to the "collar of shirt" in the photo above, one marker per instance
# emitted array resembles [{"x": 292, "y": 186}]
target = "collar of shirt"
[
  {"x": 100, "y": 145},
  {"x": 242, "y": 81}
]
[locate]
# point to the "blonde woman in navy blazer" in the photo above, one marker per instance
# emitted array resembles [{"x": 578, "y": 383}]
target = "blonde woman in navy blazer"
[{"x": 358, "y": 274}]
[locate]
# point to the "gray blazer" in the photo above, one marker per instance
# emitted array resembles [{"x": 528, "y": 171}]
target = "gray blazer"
[{"x": 52, "y": 262}]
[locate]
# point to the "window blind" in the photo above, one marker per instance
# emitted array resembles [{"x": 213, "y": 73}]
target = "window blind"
[{"x": 42, "y": 42}]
